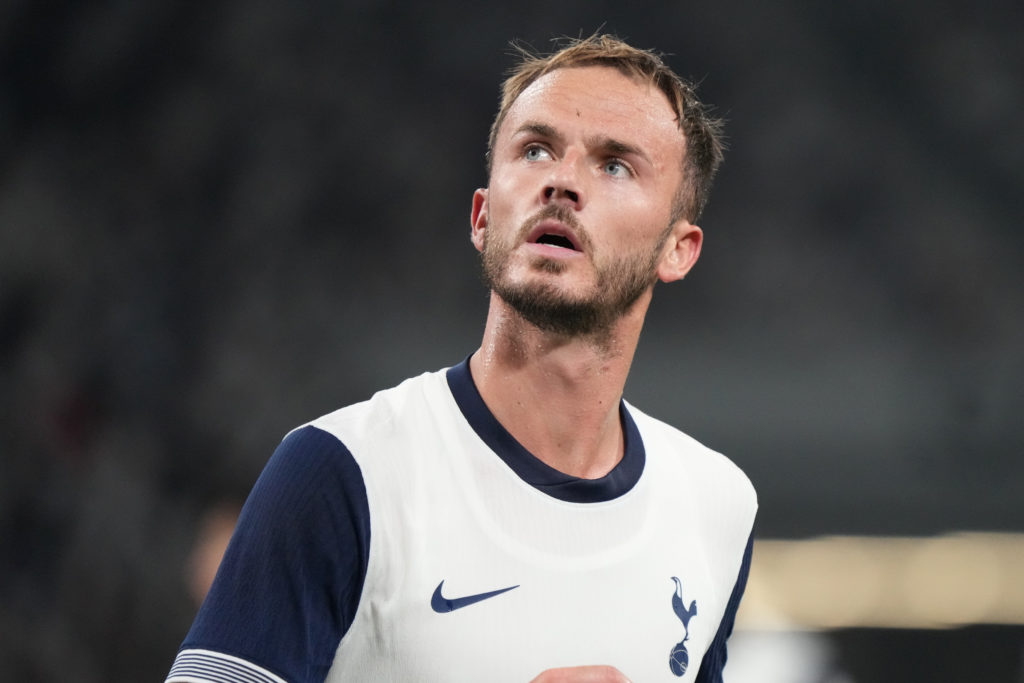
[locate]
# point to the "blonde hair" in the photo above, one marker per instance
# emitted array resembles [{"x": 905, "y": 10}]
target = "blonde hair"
[{"x": 701, "y": 131}]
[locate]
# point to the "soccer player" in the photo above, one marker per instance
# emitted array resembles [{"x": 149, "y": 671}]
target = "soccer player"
[{"x": 512, "y": 518}]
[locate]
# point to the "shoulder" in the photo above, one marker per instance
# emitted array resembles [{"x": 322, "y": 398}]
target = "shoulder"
[
  {"x": 685, "y": 446},
  {"x": 306, "y": 461},
  {"x": 706, "y": 470},
  {"x": 388, "y": 409}
]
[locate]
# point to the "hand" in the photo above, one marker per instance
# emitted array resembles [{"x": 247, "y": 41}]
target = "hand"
[{"x": 582, "y": 674}]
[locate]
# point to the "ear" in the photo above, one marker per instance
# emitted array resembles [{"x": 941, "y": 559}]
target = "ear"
[
  {"x": 478, "y": 218},
  {"x": 681, "y": 251}
]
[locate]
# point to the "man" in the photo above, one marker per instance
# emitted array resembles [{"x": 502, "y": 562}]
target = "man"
[{"x": 512, "y": 518}]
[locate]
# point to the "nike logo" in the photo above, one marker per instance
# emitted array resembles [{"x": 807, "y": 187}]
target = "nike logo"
[{"x": 441, "y": 604}]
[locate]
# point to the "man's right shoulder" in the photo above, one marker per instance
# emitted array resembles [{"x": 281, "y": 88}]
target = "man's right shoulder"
[{"x": 384, "y": 408}]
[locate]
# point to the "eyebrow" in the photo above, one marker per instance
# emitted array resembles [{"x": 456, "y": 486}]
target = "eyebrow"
[
  {"x": 617, "y": 147},
  {"x": 540, "y": 130},
  {"x": 607, "y": 144}
]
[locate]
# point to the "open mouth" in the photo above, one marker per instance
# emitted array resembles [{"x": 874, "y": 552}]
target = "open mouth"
[
  {"x": 554, "y": 234},
  {"x": 556, "y": 241}
]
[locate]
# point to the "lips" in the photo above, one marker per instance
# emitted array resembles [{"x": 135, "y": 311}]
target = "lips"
[{"x": 554, "y": 233}]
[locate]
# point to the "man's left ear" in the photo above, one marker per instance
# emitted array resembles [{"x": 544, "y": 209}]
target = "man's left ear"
[{"x": 681, "y": 251}]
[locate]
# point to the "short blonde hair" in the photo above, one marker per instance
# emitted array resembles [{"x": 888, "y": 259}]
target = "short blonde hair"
[{"x": 702, "y": 131}]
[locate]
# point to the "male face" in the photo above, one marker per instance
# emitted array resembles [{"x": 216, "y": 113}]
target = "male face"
[{"x": 576, "y": 224}]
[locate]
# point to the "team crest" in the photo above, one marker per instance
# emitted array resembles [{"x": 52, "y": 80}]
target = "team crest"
[{"x": 680, "y": 658}]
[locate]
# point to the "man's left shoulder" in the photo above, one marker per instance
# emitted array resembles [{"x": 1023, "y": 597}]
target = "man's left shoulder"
[{"x": 668, "y": 444}]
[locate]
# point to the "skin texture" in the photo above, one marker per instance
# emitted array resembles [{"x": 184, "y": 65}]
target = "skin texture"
[{"x": 595, "y": 156}]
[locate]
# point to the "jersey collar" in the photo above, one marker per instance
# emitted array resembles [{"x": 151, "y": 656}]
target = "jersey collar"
[{"x": 532, "y": 470}]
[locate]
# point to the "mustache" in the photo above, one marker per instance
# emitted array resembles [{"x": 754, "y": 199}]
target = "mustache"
[{"x": 563, "y": 215}]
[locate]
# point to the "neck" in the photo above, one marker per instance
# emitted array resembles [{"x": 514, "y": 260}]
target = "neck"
[{"x": 558, "y": 396}]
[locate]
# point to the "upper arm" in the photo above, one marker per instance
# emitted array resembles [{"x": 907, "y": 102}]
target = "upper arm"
[{"x": 288, "y": 587}]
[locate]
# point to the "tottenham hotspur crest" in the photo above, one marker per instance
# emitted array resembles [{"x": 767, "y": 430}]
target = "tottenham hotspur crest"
[{"x": 680, "y": 658}]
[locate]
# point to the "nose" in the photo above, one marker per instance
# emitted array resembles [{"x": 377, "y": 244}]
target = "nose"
[
  {"x": 551, "y": 192},
  {"x": 564, "y": 185}
]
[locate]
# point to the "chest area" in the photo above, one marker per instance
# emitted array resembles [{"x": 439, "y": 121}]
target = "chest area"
[{"x": 462, "y": 578}]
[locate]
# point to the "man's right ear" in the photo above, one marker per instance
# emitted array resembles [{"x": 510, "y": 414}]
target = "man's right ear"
[{"x": 478, "y": 218}]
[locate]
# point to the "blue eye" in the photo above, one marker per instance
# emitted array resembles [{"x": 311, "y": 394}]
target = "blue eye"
[
  {"x": 616, "y": 168},
  {"x": 536, "y": 153}
]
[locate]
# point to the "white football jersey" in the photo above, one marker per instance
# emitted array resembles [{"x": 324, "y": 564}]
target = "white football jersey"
[{"x": 411, "y": 538}]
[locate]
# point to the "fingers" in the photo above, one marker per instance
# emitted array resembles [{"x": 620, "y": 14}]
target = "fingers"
[{"x": 582, "y": 674}]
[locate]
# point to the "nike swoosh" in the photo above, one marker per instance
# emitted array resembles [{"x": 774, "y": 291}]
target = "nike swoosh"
[{"x": 441, "y": 604}]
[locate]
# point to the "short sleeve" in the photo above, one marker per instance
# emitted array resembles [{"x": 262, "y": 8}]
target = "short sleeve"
[{"x": 288, "y": 587}]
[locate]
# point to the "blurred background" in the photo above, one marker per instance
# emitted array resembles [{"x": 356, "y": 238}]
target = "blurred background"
[{"x": 219, "y": 220}]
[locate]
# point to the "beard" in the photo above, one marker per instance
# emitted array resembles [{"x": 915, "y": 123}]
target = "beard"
[{"x": 619, "y": 283}]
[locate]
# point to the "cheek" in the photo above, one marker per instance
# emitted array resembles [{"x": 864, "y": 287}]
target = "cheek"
[
  {"x": 504, "y": 178},
  {"x": 501, "y": 212},
  {"x": 638, "y": 223}
]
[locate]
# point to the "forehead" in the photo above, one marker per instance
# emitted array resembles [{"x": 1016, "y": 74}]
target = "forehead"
[{"x": 602, "y": 101}]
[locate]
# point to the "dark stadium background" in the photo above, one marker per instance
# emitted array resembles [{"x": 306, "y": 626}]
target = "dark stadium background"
[{"x": 219, "y": 220}]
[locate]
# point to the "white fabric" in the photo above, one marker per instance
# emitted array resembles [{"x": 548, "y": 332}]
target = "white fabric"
[{"x": 595, "y": 580}]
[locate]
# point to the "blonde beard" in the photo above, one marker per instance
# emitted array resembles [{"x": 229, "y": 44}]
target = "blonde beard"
[{"x": 543, "y": 304}]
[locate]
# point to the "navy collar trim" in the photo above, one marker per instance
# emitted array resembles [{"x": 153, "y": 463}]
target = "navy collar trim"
[{"x": 533, "y": 471}]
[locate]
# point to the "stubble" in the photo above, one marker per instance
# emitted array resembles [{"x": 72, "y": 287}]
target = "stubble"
[{"x": 620, "y": 281}]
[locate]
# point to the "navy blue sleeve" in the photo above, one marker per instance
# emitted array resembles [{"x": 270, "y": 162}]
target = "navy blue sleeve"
[
  {"x": 714, "y": 659},
  {"x": 289, "y": 585}
]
